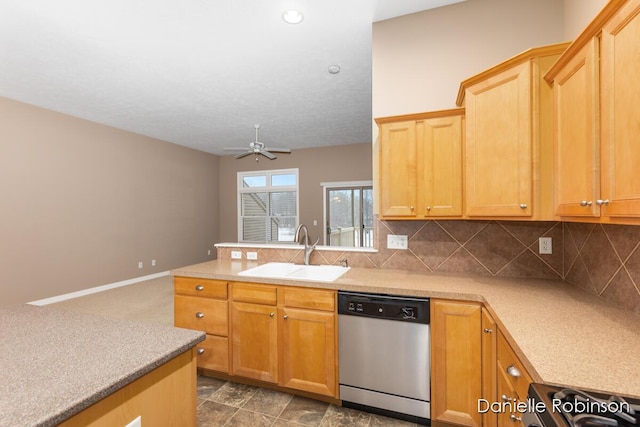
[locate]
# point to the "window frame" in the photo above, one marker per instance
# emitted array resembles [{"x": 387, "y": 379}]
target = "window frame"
[{"x": 268, "y": 189}]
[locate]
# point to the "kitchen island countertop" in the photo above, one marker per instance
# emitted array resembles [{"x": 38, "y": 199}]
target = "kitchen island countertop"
[
  {"x": 56, "y": 363},
  {"x": 563, "y": 334}
]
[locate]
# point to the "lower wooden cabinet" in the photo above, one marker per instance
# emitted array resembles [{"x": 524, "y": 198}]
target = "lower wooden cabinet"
[
  {"x": 513, "y": 382},
  {"x": 456, "y": 357},
  {"x": 285, "y": 335}
]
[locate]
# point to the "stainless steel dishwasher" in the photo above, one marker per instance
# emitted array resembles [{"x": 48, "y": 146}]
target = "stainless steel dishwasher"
[{"x": 384, "y": 354}]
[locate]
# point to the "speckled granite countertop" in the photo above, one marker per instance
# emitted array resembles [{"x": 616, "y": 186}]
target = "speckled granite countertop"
[
  {"x": 563, "y": 334},
  {"x": 55, "y": 363}
]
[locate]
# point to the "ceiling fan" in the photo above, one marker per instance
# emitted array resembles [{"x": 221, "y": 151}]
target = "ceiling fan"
[{"x": 256, "y": 147}]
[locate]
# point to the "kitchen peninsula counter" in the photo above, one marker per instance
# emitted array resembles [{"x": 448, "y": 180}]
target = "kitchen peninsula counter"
[
  {"x": 57, "y": 363},
  {"x": 562, "y": 334}
]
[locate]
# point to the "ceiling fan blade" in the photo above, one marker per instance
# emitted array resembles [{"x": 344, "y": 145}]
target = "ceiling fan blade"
[
  {"x": 234, "y": 148},
  {"x": 280, "y": 150},
  {"x": 268, "y": 155},
  {"x": 245, "y": 154}
]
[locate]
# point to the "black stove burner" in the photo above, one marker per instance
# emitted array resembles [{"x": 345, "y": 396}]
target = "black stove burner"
[
  {"x": 576, "y": 408},
  {"x": 584, "y": 409}
]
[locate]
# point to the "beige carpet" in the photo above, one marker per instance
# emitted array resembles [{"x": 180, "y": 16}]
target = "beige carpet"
[{"x": 148, "y": 301}]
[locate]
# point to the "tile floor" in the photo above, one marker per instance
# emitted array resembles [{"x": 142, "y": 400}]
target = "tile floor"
[{"x": 223, "y": 403}]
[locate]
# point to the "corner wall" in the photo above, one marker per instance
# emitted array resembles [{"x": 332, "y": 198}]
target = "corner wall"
[{"x": 82, "y": 203}]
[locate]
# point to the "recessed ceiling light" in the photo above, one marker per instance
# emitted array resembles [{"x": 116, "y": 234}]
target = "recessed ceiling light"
[
  {"x": 334, "y": 69},
  {"x": 292, "y": 17}
]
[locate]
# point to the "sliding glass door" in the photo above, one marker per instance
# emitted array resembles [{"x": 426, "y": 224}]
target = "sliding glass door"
[{"x": 349, "y": 216}]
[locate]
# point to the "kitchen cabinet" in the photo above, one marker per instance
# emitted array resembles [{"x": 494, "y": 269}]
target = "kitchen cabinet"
[
  {"x": 595, "y": 93},
  {"x": 456, "y": 361},
  {"x": 509, "y": 135},
  {"x": 201, "y": 304},
  {"x": 285, "y": 335},
  {"x": 489, "y": 364},
  {"x": 513, "y": 382},
  {"x": 420, "y": 162}
]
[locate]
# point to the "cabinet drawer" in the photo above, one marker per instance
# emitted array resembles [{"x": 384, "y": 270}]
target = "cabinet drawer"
[
  {"x": 254, "y": 293},
  {"x": 507, "y": 361},
  {"x": 202, "y": 314},
  {"x": 314, "y": 299},
  {"x": 200, "y": 287},
  {"x": 213, "y": 353}
]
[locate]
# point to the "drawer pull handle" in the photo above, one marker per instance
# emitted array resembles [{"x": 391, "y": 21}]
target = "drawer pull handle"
[
  {"x": 199, "y": 288},
  {"x": 514, "y": 418},
  {"x": 488, "y": 331},
  {"x": 271, "y": 314},
  {"x": 199, "y": 315},
  {"x": 506, "y": 398},
  {"x": 285, "y": 317},
  {"x": 513, "y": 371},
  {"x": 523, "y": 206},
  {"x": 201, "y": 351},
  {"x": 602, "y": 202},
  {"x": 586, "y": 203}
]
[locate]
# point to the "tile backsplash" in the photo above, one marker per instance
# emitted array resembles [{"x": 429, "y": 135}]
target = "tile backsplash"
[{"x": 601, "y": 259}]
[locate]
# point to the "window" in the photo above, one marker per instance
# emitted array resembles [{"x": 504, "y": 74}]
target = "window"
[
  {"x": 267, "y": 205},
  {"x": 349, "y": 213}
]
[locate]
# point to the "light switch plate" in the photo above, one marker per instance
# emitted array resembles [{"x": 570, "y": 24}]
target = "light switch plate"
[
  {"x": 236, "y": 254},
  {"x": 397, "y": 241}
]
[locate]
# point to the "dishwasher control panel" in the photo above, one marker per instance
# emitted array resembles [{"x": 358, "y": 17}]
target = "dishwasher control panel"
[{"x": 391, "y": 307}]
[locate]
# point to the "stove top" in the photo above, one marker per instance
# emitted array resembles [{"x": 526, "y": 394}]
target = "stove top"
[{"x": 566, "y": 406}]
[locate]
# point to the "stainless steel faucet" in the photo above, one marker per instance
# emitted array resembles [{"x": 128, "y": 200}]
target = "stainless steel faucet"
[{"x": 307, "y": 248}]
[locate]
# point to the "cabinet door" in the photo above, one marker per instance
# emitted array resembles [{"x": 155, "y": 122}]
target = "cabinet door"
[
  {"x": 509, "y": 397},
  {"x": 498, "y": 156},
  {"x": 620, "y": 62},
  {"x": 576, "y": 141},
  {"x": 254, "y": 341},
  {"x": 489, "y": 365},
  {"x": 455, "y": 362},
  {"x": 398, "y": 181},
  {"x": 440, "y": 170},
  {"x": 308, "y": 350}
]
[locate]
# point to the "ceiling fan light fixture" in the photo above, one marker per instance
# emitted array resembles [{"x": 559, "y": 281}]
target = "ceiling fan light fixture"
[
  {"x": 292, "y": 17},
  {"x": 334, "y": 69}
]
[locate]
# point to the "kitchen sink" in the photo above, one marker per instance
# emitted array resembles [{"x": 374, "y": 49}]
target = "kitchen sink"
[{"x": 287, "y": 270}]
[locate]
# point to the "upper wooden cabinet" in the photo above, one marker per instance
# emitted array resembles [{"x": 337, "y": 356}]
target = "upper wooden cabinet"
[
  {"x": 597, "y": 123},
  {"x": 509, "y": 136},
  {"x": 421, "y": 165}
]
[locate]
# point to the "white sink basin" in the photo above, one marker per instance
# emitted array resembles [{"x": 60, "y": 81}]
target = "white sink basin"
[{"x": 287, "y": 270}]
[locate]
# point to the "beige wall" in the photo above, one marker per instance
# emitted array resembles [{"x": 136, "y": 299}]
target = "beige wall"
[
  {"x": 328, "y": 164},
  {"x": 82, "y": 203},
  {"x": 578, "y": 13},
  {"x": 419, "y": 60}
]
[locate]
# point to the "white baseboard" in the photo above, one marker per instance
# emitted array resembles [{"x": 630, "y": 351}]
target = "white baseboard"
[{"x": 97, "y": 289}]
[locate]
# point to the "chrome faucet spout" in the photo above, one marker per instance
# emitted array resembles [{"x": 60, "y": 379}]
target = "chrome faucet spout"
[{"x": 307, "y": 248}]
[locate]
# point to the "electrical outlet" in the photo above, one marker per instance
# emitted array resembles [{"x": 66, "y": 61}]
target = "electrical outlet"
[
  {"x": 397, "y": 241},
  {"x": 139, "y": 264},
  {"x": 545, "y": 245},
  {"x": 153, "y": 263},
  {"x": 252, "y": 255},
  {"x": 236, "y": 254},
  {"x": 209, "y": 252}
]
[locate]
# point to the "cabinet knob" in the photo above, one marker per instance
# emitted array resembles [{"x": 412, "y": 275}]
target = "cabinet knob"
[
  {"x": 285, "y": 317},
  {"x": 199, "y": 315},
  {"x": 428, "y": 208},
  {"x": 199, "y": 288},
  {"x": 201, "y": 351},
  {"x": 411, "y": 207},
  {"x": 514, "y": 418},
  {"x": 488, "y": 331},
  {"x": 271, "y": 314},
  {"x": 586, "y": 203},
  {"x": 602, "y": 202},
  {"x": 523, "y": 206},
  {"x": 513, "y": 371},
  {"x": 506, "y": 398}
]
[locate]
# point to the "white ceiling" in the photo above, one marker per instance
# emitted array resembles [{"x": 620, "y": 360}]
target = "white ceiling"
[{"x": 200, "y": 73}]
